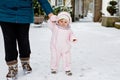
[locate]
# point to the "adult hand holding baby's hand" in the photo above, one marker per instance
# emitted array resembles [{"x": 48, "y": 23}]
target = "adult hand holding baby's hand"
[{"x": 53, "y": 18}]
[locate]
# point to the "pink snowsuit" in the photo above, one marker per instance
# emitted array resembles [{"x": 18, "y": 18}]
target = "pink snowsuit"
[{"x": 60, "y": 45}]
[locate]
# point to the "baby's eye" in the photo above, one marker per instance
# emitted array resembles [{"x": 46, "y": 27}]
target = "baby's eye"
[
  {"x": 66, "y": 22},
  {"x": 61, "y": 21}
]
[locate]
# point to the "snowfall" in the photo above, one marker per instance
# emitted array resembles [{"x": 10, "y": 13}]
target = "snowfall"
[{"x": 95, "y": 56}]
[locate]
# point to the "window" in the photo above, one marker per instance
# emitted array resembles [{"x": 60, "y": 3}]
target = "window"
[{"x": 59, "y": 2}]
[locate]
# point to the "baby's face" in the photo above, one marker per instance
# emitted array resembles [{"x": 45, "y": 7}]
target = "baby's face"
[{"x": 63, "y": 22}]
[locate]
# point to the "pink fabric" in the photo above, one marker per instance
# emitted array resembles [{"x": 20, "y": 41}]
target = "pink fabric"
[{"x": 60, "y": 44}]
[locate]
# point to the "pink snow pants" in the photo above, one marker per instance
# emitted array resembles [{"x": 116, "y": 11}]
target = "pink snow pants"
[{"x": 56, "y": 55}]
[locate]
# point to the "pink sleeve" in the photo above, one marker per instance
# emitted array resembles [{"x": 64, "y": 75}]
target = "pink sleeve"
[
  {"x": 52, "y": 21},
  {"x": 72, "y": 37}
]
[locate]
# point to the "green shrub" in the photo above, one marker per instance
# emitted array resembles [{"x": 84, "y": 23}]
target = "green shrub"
[
  {"x": 112, "y": 7},
  {"x": 37, "y": 8},
  {"x": 57, "y": 9}
]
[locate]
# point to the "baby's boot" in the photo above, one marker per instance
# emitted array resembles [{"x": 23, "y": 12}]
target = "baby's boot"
[
  {"x": 53, "y": 71},
  {"x": 69, "y": 73}
]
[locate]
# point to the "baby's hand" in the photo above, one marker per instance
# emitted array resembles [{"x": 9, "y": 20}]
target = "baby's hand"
[
  {"x": 53, "y": 18},
  {"x": 74, "y": 40}
]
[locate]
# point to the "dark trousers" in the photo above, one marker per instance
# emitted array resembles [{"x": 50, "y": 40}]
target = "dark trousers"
[{"x": 16, "y": 40}]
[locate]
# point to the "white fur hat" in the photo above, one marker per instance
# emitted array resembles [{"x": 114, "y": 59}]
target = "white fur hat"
[{"x": 64, "y": 15}]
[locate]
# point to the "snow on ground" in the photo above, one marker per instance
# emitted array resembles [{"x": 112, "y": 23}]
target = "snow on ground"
[
  {"x": 88, "y": 18},
  {"x": 96, "y": 56}
]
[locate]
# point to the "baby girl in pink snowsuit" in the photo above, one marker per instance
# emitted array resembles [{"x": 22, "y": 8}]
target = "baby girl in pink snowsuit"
[{"x": 62, "y": 36}]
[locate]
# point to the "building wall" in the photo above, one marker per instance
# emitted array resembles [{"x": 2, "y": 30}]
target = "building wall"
[
  {"x": 104, "y": 6},
  {"x": 105, "y": 3},
  {"x": 86, "y": 7},
  {"x": 52, "y": 2},
  {"x": 77, "y": 9},
  {"x": 68, "y": 3},
  {"x": 80, "y": 7},
  {"x": 97, "y": 10},
  {"x": 119, "y": 7}
]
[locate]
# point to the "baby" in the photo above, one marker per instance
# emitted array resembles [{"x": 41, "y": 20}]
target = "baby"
[{"x": 61, "y": 39}]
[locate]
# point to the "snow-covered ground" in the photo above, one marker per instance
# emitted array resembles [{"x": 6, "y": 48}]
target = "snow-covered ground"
[{"x": 96, "y": 56}]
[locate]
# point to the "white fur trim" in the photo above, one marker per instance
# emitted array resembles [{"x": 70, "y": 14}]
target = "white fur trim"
[{"x": 64, "y": 17}]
